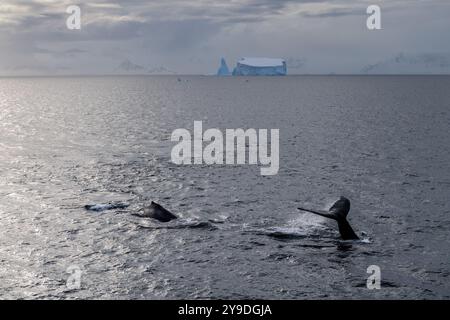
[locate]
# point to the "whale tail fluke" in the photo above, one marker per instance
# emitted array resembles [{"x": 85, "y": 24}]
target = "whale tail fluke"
[
  {"x": 341, "y": 208},
  {"x": 338, "y": 211},
  {"x": 320, "y": 213}
]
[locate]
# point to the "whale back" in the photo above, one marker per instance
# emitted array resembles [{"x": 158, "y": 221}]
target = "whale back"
[{"x": 341, "y": 208}]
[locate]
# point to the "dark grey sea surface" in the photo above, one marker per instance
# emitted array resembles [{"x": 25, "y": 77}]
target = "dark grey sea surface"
[{"x": 383, "y": 142}]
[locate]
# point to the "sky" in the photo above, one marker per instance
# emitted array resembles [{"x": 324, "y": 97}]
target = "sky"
[{"x": 190, "y": 37}]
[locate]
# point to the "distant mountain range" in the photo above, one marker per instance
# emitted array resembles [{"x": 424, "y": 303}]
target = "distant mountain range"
[
  {"x": 403, "y": 63},
  {"x": 160, "y": 70},
  {"x": 128, "y": 67},
  {"x": 428, "y": 63}
]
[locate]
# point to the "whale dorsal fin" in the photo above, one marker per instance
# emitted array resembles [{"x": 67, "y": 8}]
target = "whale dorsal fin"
[{"x": 158, "y": 212}]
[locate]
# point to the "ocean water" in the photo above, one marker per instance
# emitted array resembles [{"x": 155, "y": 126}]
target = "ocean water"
[{"x": 383, "y": 142}]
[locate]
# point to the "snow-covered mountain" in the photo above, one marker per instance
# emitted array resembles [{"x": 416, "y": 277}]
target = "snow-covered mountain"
[
  {"x": 129, "y": 67},
  {"x": 428, "y": 63},
  {"x": 160, "y": 71},
  {"x": 295, "y": 63}
]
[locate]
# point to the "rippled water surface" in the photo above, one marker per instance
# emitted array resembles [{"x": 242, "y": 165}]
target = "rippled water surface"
[{"x": 381, "y": 141}]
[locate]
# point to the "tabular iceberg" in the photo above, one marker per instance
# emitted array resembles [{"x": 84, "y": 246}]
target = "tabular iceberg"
[
  {"x": 223, "y": 70},
  {"x": 260, "y": 67}
]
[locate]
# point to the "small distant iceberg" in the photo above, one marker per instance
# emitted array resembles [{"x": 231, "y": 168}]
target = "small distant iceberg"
[{"x": 223, "y": 69}]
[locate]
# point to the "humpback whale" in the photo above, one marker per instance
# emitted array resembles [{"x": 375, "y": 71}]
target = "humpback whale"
[
  {"x": 157, "y": 212},
  {"x": 338, "y": 211}
]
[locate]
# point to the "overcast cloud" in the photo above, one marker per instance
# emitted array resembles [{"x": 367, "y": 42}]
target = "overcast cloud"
[{"x": 190, "y": 37}]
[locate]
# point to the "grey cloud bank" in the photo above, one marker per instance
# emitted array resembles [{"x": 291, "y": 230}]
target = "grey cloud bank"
[{"x": 190, "y": 37}]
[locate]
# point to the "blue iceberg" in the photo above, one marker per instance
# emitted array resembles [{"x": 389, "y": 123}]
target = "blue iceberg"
[
  {"x": 260, "y": 67},
  {"x": 223, "y": 70}
]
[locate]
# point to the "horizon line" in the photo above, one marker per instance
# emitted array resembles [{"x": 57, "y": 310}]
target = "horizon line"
[{"x": 214, "y": 75}]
